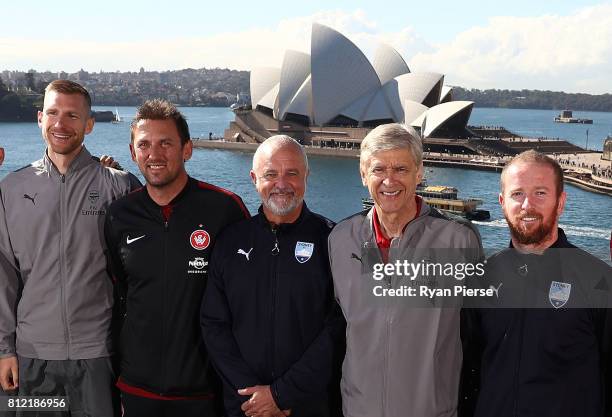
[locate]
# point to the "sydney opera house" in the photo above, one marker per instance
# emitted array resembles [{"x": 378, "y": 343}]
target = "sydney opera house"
[{"x": 335, "y": 96}]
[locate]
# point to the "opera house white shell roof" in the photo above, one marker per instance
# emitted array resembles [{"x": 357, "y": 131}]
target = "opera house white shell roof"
[{"x": 337, "y": 85}]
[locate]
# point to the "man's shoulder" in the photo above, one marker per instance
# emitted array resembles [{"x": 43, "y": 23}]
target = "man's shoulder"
[
  {"x": 449, "y": 226},
  {"x": 220, "y": 194},
  {"x": 25, "y": 173},
  {"x": 323, "y": 222},
  {"x": 348, "y": 224},
  {"x": 131, "y": 199}
]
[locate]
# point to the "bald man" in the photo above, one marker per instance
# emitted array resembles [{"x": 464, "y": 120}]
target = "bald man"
[{"x": 269, "y": 318}]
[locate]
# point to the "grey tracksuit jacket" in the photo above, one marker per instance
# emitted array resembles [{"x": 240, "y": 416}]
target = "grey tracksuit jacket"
[
  {"x": 401, "y": 360},
  {"x": 55, "y": 293}
]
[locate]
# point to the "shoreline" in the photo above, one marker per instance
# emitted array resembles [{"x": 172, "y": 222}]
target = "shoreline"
[{"x": 429, "y": 159}]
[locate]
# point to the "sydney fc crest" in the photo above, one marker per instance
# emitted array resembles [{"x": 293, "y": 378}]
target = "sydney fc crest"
[
  {"x": 303, "y": 251},
  {"x": 559, "y": 293}
]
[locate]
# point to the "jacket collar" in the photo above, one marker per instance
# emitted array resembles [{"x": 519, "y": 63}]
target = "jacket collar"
[
  {"x": 82, "y": 159},
  {"x": 370, "y": 233},
  {"x": 261, "y": 218},
  {"x": 561, "y": 241},
  {"x": 177, "y": 199}
]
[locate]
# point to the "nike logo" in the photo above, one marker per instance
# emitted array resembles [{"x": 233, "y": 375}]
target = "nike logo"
[
  {"x": 30, "y": 198},
  {"x": 354, "y": 256},
  {"x": 246, "y": 254},
  {"x": 128, "y": 240}
]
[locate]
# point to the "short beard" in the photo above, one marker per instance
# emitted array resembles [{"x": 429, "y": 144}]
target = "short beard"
[
  {"x": 540, "y": 234},
  {"x": 283, "y": 210}
]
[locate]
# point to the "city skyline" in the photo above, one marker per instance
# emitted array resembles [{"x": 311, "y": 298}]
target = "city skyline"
[{"x": 560, "y": 46}]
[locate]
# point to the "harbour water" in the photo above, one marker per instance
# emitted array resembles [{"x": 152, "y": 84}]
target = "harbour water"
[{"x": 334, "y": 187}]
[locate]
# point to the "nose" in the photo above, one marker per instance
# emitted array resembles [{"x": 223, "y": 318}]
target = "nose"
[{"x": 526, "y": 203}]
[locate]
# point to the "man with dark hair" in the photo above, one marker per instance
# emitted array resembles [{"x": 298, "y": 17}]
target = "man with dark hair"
[
  {"x": 56, "y": 295},
  {"x": 543, "y": 346},
  {"x": 159, "y": 240}
]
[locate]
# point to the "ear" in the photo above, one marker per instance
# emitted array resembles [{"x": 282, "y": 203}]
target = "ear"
[
  {"x": 40, "y": 116},
  {"x": 132, "y": 152},
  {"x": 364, "y": 178},
  {"x": 253, "y": 177},
  {"x": 561, "y": 204},
  {"x": 89, "y": 125},
  {"x": 500, "y": 198},
  {"x": 420, "y": 174},
  {"x": 187, "y": 150}
]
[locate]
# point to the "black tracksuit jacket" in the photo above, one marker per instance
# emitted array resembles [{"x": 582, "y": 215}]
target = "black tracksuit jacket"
[
  {"x": 161, "y": 259},
  {"x": 270, "y": 318},
  {"x": 539, "y": 362}
]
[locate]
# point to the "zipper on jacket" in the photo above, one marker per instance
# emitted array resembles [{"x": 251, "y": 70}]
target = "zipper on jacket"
[
  {"x": 62, "y": 266},
  {"x": 163, "y": 302},
  {"x": 388, "y": 322},
  {"x": 518, "y": 362},
  {"x": 275, "y": 261}
]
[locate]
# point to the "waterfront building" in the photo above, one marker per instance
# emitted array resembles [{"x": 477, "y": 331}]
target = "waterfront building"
[{"x": 335, "y": 95}]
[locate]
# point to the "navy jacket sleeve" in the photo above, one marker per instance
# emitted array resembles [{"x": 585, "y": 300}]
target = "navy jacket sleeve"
[
  {"x": 216, "y": 323},
  {"x": 312, "y": 374}
]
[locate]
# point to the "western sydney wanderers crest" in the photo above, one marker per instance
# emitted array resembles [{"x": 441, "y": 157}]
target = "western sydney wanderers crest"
[
  {"x": 559, "y": 293},
  {"x": 303, "y": 251},
  {"x": 199, "y": 239}
]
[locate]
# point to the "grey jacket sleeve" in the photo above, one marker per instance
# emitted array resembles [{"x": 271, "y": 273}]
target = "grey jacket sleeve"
[{"x": 10, "y": 283}]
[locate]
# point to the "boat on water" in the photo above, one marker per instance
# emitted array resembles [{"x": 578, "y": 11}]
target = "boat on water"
[
  {"x": 587, "y": 181},
  {"x": 116, "y": 117},
  {"x": 446, "y": 199},
  {"x": 566, "y": 116}
]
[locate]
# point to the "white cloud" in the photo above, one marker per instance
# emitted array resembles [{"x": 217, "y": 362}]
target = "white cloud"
[{"x": 570, "y": 53}]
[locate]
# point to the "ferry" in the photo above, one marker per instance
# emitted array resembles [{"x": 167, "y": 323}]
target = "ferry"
[
  {"x": 567, "y": 117},
  {"x": 445, "y": 199}
]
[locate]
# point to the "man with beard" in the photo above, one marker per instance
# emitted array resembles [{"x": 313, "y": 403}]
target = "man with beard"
[
  {"x": 160, "y": 239},
  {"x": 268, "y": 316},
  {"x": 56, "y": 295},
  {"x": 543, "y": 349}
]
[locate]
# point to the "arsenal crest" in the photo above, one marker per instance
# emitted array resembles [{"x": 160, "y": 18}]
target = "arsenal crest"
[
  {"x": 303, "y": 251},
  {"x": 559, "y": 293},
  {"x": 199, "y": 239}
]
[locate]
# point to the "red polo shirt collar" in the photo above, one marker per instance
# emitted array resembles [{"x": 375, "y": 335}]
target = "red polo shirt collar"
[{"x": 383, "y": 242}]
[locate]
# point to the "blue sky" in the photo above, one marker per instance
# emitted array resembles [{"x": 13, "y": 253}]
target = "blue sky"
[{"x": 560, "y": 45}]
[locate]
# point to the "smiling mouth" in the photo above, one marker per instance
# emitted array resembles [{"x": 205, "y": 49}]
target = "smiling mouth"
[
  {"x": 60, "y": 136},
  {"x": 390, "y": 193},
  {"x": 530, "y": 219},
  {"x": 156, "y": 167}
]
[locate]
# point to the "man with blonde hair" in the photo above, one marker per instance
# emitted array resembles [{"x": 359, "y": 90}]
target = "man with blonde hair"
[
  {"x": 546, "y": 349},
  {"x": 401, "y": 360},
  {"x": 56, "y": 295}
]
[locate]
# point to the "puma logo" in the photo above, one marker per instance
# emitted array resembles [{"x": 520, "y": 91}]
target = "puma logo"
[
  {"x": 354, "y": 256},
  {"x": 246, "y": 254},
  {"x": 30, "y": 198},
  {"x": 496, "y": 289}
]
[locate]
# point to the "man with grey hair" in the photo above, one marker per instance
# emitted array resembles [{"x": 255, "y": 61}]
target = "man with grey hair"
[
  {"x": 401, "y": 360},
  {"x": 268, "y": 316}
]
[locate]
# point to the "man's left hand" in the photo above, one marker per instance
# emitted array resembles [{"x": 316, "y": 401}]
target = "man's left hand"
[{"x": 261, "y": 403}]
